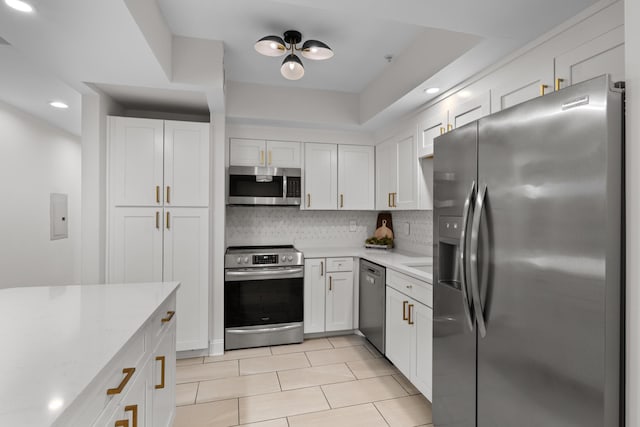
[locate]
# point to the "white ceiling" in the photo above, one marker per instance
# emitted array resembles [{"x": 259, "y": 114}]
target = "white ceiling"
[{"x": 68, "y": 42}]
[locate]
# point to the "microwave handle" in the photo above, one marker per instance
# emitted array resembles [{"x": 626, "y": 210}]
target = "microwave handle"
[{"x": 284, "y": 187}]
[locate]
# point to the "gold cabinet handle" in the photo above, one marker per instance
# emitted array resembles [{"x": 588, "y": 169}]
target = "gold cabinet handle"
[
  {"x": 168, "y": 194},
  {"x": 443, "y": 130},
  {"x": 128, "y": 373},
  {"x": 261, "y": 157},
  {"x": 449, "y": 127},
  {"x": 558, "y": 83},
  {"x": 410, "y": 319},
  {"x": 170, "y": 315},
  {"x": 134, "y": 415},
  {"x": 162, "y": 360},
  {"x": 158, "y": 220},
  {"x": 543, "y": 88},
  {"x": 389, "y": 200},
  {"x": 321, "y": 268},
  {"x": 342, "y": 200},
  {"x": 330, "y": 283},
  {"x": 269, "y": 156},
  {"x": 308, "y": 200},
  {"x": 157, "y": 194},
  {"x": 168, "y": 218},
  {"x": 404, "y": 310}
]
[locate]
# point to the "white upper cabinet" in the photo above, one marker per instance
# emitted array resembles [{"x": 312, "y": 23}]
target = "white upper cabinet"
[
  {"x": 247, "y": 152},
  {"x": 283, "y": 154},
  {"x": 356, "y": 177},
  {"x": 602, "y": 55},
  {"x": 525, "y": 80},
  {"x": 320, "y": 176},
  {"x": 406, "y": 194},
  {"x": 137, "y": 161},
  {"x": 261, "y": 153},
  {"x": 186, "y": 164},
  {"x": 470, "y": 110},
  {"x": 431, "y": 127},
  {"x": 386, "y": 174}
]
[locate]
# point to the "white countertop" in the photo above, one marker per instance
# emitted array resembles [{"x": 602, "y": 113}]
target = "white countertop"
[
  {"x": 56, "y": 340},
  {"x": 394, "y": 259}
]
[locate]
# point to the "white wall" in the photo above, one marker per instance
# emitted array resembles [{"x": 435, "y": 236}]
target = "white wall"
[
  {"x": 632, "y": 73},
  {"x": 36, "y": 159}
]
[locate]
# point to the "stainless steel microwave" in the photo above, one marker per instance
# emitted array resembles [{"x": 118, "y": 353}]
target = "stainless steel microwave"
[{"x": 264, "y": 186}]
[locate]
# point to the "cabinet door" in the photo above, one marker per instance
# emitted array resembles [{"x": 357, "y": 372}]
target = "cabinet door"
[
  {"x": 602, "y": 55},
  {"x": 386, "y": 174},
  {"x": 247, "y": 152},
  {"x": 164, "y": 379},
  {"x": 282, "y": 154},
  {"x": 136, "y": 151},
  {"x": 321, "y": 176},
  {"x": 431, "y": 127},
  {"x": 470, "y": 110},
  {"x": 422, "y": 350},
  {"x": 186, "y": 260},
  {"x": 406, "y": 192},
  {"x": 398, "y": 334},
  {"x": 186, "y": 164},
  {"x": 522, "y": 83},
  {"x": 356, "y": 177},
  {"x": 314, "y": 300},
  {"x": 135, "y": 246},
  {"x": 136, "y": 406},
  {"x": 339, "y": 305}
]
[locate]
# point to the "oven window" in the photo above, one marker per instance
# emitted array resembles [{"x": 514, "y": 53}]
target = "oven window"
[
  {"x": 246, "y": 186},
  {"x": 263, "y": 302}
]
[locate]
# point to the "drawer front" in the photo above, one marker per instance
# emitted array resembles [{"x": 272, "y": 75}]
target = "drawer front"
[
  {"x": 414, "y": 288},
  {"x": 163, "y": 319},
  {"x": 339, "y": 264}
]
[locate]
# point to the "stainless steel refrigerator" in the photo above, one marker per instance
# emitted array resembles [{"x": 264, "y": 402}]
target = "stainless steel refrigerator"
[{"x": 528, "y": 264}]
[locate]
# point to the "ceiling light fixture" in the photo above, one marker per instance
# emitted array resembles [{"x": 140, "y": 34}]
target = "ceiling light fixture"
[
  {"x": 432, "y": 90},
  {"x": 292, "y": 67},
  {"x": 59, "y": 104},
  {"x": 19, "y": 5}
]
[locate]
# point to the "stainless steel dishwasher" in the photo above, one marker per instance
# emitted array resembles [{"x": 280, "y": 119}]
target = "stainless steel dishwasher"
[{"x": 372, "y": 303}]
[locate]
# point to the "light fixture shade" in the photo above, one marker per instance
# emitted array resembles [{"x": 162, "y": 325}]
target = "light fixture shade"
[
  {"x": 315, "y": 49},
  {"x": 292, "y": 68},
  {"x": 271, "y": 46}
]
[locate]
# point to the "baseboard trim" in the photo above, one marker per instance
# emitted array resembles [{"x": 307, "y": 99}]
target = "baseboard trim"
[{"x": 216, "y": 347}]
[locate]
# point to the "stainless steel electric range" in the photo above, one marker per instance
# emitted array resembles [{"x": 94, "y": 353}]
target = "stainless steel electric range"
[{"x": 263, "y": 296}]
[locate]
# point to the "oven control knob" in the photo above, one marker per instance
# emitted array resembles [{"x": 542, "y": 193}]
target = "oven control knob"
[
  {"x": 290, "y": 258},
  {"x": 284, "y": 258},
  {"x": 246, "y": 260},
  {"x": 239, "y": 260}
]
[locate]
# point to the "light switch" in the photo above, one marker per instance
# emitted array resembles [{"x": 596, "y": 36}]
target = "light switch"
[
  {"x": 59, "y": 216},
  {"x": 406, "y": 228}
]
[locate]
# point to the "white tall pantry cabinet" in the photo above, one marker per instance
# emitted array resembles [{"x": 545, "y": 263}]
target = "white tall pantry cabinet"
[{"x": 159, "y": 214}]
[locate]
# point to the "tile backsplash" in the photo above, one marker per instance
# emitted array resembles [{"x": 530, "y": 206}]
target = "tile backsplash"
[{"x": 264, "y": 225}]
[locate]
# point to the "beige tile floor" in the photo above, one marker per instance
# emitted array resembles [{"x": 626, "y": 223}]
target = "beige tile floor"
[{"x": 337, "y": 381}]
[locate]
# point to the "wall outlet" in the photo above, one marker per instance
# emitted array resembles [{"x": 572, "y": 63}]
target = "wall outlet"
[
  {"x": 353, "y": 226},
  {"x": 405, "y": 228}
]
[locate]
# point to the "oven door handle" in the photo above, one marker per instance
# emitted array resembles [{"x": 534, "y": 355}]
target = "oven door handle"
[
  {"x": 263, "y": 330},
  {"x": 256, "y": 274}
]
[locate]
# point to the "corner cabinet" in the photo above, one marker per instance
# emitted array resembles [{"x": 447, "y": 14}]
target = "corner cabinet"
[
  {"x": 328, "y": 295},
  {"x": 158, "y": 226},
  {"x": 262, "y": 153}
]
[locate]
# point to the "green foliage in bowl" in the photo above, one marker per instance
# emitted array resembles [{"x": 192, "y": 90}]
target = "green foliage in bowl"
[{"x": 385, "y": 241}]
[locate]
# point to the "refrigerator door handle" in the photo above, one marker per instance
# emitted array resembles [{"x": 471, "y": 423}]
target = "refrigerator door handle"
[
  {"x": 473, "y": 258},
  {"x": 463, "y": 255}
]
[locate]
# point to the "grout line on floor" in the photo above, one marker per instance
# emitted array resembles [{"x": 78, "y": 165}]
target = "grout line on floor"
[{"x": 385, "y": 420}]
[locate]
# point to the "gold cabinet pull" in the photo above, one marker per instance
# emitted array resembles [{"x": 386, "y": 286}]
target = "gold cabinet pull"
[
  {"x": 342, "y": 200},
  {"x": 449, "y": 127},
  {"x": 404, "y": 310},
  {"x": 410, "y": 319},
  {"x": 168, "y": 217},
  {"x": 321, "y": 268},
  {"x": 269, "y": 156},
  {"x": 558, "y": 83},
  {"x": 443, "y": 130},
  {"x": 308, "y": 200},
  {"x": 170, "y": 315},
  {"x": 128, "y": 373},
  {"x": 158, "y": 220},
  {"x": 262, "y": 157},
  {"x": 543, "y": 88},
  {"x": 162, "y": 360},
  {"x": 330, "y": 283},
  {"x": 134, "y": 415},
  {"x": 168, "y": 194},
  {"x": 157, "y": 194},
  {"x": 389, "y": 200}
]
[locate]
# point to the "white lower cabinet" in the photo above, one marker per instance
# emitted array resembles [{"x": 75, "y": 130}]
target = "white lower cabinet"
[
  {"x": 409, "y": 329},
  {"x": 328, "y": 294},
  {"x": 136, "y": 406},
  {"x": 164, "y": 379}
]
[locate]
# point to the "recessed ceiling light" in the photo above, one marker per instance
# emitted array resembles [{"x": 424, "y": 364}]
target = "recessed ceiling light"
[
  {"x": 19, "y": 5},
  {"x": 432, "y": 90},
  {"x": 58, "y": 104}
]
